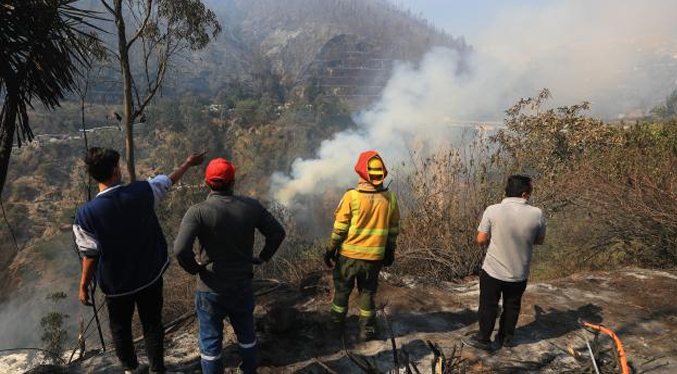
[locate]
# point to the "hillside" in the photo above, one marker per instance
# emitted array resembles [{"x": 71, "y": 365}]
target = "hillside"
[
  {"x": 280, "y": 78},
  {"x": 277, "y": 81},
  {"x": 637, "y": 304},
  {"x": 342, "y": 47},
  {"x": 345, "y": 48},
  {"x": 296, "y": 88}
]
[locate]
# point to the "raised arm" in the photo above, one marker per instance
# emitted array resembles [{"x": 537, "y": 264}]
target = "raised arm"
[
  {"x": 162, "y": 183},
  {"x": 193, "y": 159}
]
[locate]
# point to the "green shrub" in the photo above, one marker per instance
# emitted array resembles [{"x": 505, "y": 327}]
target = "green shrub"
[{"x": 54, "y": 335}]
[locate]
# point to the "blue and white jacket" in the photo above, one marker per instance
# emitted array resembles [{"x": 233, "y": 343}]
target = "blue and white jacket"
[{"x": 119, "y": 226}]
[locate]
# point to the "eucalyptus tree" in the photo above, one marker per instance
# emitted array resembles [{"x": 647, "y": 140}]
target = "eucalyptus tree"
[
  {"x": 42, "y": 47},
  {"x": 149, "y": 35}
]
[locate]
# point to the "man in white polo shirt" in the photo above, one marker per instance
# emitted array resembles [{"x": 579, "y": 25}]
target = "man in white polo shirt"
[{"x": 510, "y": 229}]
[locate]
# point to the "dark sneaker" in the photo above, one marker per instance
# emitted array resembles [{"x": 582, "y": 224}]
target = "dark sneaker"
[
  {"x": 475, "y": 342},
  {"x": 504, "y": 342},
  {"x": 141, "y": 369}
]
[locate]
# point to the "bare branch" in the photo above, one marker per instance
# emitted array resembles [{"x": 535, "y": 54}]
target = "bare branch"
[
  {"x": 140, "y": 30},
  {"x": 111, "y": 52},
  {"x": 9, "y": 227},
  {"x": 158, "y": 84},
  {"x": 138, "y": 97},
  {"x": 108, "y": 7}
]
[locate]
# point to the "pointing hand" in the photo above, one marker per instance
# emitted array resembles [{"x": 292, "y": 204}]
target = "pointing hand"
[{"x": 195, "y": 159}]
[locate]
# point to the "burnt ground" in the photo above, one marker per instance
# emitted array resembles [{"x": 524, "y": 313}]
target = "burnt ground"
[{"x": 639, "y": 305}]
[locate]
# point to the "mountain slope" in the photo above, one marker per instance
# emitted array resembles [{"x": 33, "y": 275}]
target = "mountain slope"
[{"x": 637, "y": 304}]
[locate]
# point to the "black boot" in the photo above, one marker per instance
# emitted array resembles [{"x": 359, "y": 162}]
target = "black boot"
[{"x": 476, "y": 342}]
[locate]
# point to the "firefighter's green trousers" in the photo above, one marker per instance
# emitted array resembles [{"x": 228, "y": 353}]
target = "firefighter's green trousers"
[{"x": 347, "y": 273}]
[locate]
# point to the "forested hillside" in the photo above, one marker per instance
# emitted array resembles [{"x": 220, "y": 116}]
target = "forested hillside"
[
  {"x": 285, "y": 78},
  {"x": 281, "y": 77}
]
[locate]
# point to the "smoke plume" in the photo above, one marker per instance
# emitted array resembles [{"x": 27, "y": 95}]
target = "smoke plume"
[
  {"x": 619, "y": 55},
  {"x": 415, "y": 107}
]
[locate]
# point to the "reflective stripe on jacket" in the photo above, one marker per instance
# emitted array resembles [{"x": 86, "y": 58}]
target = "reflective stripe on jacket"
[{"x": 366, "y": 222}]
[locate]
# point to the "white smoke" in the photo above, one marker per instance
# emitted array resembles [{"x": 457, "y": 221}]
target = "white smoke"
[
  {"x": 615, "y": 54},
  {"x": 416, "y": 106},
  {"x": 618, "y": 54}
]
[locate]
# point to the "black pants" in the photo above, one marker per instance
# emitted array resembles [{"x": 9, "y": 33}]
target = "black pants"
[
  {"x": 120, "y": 311},
  {"x": 491, "y": 290}
]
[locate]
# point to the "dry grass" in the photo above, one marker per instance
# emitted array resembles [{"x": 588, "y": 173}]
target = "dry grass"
[{"x": 442, "y": 199}]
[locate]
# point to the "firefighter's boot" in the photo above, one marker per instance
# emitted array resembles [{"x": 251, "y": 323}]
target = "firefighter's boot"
[
  {"x": 367, "y": 329},
  {"x": 367, "y": 324},
  {"x": 337, "y": 317}
]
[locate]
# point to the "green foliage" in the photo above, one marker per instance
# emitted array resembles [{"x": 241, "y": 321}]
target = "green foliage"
[
  {"x": 547, "y": 143},
  {"x": 311, "y": 91},
  {"x": 668, "y": 109},
  {"x": 256, "y": 110},
  {"x": 327, "y": 107},
  {"x": 610, "y": 192},
  {"x": 632, "y": 189},
  {"x": 42, "y": 48},
  {"x": 246, "y": 108},
  {"x": 188, "y": 20},
  {"x": 54, "y": 335}
]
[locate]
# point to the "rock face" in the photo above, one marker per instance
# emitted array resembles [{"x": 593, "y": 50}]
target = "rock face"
[
  {"x": 639, "y": 305},
  {"x": 343, "y": 48},
  {"x": 349, "y": 66}
]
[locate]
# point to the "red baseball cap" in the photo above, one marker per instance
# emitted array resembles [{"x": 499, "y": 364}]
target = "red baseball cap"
[{"x": 220, "y": 172}]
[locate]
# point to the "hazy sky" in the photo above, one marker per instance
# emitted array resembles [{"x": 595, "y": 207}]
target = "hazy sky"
[
  {"x": 466, "y": 17},
  {"x": 619, "y": 55}
]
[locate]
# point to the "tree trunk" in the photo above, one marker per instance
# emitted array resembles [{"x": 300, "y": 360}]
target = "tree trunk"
[
  {"x": 127, "y": 116},
  {"x": 7, "y": 128}
]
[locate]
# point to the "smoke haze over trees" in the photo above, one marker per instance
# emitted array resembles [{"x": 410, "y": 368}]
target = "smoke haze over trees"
[{"x": 267, "y": 94}]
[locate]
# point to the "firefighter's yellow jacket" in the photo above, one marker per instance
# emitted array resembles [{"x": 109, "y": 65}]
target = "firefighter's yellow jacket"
[{"x": 367, "y": 221}]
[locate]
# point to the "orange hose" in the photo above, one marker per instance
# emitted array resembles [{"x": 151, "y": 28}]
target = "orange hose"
[{"x": 619, "y": 346}]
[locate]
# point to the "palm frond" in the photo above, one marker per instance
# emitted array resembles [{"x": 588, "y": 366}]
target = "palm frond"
[{"x": 43, "y": 47}]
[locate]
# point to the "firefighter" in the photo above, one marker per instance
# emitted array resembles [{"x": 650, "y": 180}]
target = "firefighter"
[{"x": 362, "y": 242}]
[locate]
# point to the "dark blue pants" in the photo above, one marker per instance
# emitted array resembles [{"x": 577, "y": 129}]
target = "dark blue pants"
[
  {"x": 212, "y": 308},
  {"x": 148, "y": 302}
]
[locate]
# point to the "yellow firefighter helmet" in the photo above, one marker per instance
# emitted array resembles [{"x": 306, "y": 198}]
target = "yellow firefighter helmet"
[{"x": 375, "y": 170}]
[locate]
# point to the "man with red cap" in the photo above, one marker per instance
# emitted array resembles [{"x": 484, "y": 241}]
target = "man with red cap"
[
  {"x": 363, "y": 240},
  {"x": 225, "y": 224}
]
